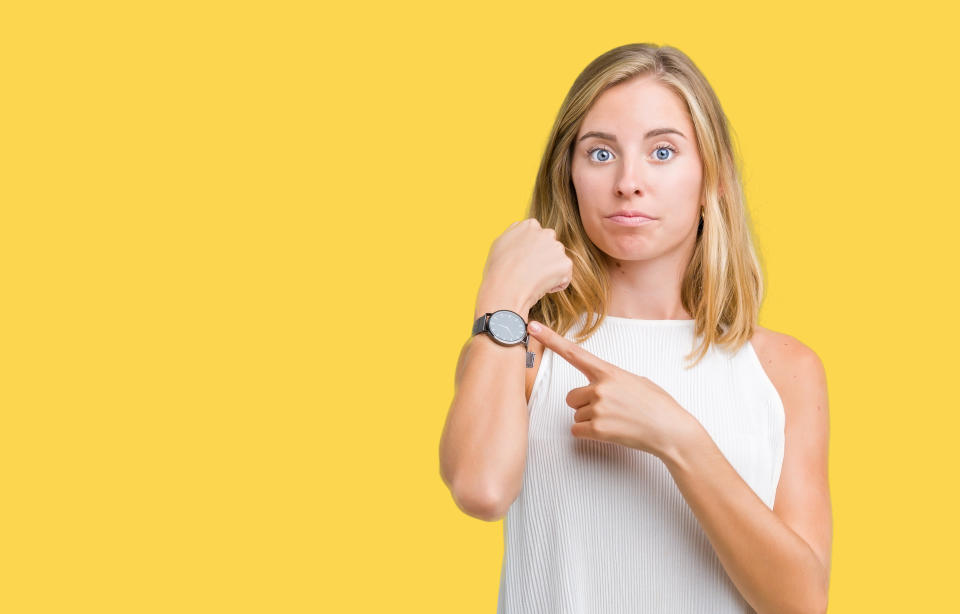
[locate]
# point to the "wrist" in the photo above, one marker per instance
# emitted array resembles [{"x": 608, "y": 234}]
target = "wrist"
[
  {"x": 488, "y": 303},
  {"x": 523, "y": 312},
  {"x": 687, "y": 440}
]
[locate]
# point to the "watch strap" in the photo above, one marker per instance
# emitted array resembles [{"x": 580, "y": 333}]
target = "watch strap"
[{"x": 481, "y": 324}]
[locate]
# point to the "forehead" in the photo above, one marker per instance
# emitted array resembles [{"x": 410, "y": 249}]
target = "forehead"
[{"x": 637, "y": 105}]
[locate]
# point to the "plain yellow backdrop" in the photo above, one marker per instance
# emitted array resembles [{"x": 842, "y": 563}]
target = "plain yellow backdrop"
[{"x": 241, "y": 244}]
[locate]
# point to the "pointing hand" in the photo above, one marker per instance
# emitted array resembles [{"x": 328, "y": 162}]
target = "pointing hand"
[{"x": 619, "y": 406}]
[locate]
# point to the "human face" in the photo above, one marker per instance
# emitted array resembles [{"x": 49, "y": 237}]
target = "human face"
[{"x": 658, "y": 174}]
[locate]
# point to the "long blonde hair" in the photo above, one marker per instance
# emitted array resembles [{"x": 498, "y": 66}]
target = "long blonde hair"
[{"x": 722, "y": 286}]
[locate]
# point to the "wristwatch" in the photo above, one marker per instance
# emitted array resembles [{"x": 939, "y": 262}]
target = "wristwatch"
[{"x": 506, "y": 328}]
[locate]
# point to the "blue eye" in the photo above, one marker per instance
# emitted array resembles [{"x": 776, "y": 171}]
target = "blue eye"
[
  {"x": 606, "y": 152},
  {"x": 599, "y": 148},
  {"x": 665, "y": 147}
]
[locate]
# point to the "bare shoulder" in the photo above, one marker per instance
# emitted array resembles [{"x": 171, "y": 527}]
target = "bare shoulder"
[
  {"x": 786, "y": 360},
  {"x": 535, "y": 346},
  {"x": 797, "y": 373}
]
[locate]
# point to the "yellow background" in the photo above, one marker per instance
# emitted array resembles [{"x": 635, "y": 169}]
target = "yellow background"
[{"x": 240, "y": 249}]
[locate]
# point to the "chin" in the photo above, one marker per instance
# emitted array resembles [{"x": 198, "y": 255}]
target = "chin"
[{"x": 631, "y": 254}]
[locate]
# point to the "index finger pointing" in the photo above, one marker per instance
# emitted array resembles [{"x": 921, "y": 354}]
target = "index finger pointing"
[{"x": 585, "y": 362}]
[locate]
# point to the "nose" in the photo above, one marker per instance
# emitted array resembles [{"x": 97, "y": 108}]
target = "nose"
[{"x": 629, "y": 180}]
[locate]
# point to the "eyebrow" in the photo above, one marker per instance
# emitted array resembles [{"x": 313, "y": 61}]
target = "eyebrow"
[{"x": 611, "y": 137}]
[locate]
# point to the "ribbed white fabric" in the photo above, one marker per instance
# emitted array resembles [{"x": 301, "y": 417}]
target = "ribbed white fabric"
[{"x": 602, "y": 528}]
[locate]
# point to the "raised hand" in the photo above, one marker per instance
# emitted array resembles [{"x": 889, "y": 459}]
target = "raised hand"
[{"x": 525, "y": 263}]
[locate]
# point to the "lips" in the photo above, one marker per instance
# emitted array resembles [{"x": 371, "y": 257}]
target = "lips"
[
  {"x": 635, "y": 220},
  {"x": 630, "y": 217},
  {"x": 631, "y": 213}
]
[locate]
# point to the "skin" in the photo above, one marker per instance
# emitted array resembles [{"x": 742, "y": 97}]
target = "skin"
[
  {"x": 779, "y": 559},
  {"x": 646, "y": 263}
]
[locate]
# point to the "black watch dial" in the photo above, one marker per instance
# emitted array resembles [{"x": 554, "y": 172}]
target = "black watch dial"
[{"x": 507, "y": 326}]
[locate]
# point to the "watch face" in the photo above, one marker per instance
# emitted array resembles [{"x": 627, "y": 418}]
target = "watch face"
[{"x": 507, "y": 326}]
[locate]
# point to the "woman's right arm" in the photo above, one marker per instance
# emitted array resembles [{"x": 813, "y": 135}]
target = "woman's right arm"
[{"x": 483, "y": 448}]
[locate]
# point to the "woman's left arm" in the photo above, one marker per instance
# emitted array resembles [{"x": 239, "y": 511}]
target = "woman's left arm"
[{"x": 778, "y": 559}]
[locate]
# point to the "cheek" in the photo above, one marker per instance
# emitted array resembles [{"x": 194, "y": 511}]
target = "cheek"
[
  {"x": 681, "y": 193},
  {"x": 690, "y": 180},
  {"x": 690, "y": 190},
  {"x": 587, "y": 186}
]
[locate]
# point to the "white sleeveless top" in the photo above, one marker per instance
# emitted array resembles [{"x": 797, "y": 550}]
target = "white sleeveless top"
[{"x": 602, "y": 528}]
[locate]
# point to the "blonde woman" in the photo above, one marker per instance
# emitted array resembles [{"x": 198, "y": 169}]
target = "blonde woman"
[{"x": 662, "y": 452}]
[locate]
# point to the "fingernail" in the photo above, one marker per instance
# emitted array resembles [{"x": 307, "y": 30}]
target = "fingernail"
[{"x": 534, "y": 327}]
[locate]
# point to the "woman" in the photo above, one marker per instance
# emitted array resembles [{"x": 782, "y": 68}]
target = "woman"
[{"x": 634, "y": 480}]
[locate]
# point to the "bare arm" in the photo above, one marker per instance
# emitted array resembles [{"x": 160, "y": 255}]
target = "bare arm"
[
  {"x": 778, "y": 559},
  {"x": 484, "y": 443}
]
